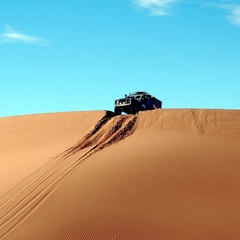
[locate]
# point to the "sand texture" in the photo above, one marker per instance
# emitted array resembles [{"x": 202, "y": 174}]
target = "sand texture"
[{"x": 161, "y": 174}]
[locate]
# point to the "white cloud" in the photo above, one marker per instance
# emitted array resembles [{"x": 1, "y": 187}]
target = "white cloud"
[
  {"x": 232, "y": 7},
  {"x": 234, "y": 13},
  {"x": 156, "y": 7},
  {"x": 164, "y": 7},
  {"x": 10, "y": 35}
]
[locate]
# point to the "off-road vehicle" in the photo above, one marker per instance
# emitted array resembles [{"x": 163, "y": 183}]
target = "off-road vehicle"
[{"x": 135, "y": 102}]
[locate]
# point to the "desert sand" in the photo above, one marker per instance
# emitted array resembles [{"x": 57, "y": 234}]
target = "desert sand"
[{"x": 161, "y": 174}]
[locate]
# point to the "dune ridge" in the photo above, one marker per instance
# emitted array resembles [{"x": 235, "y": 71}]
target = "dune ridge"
[
  {"x": 213, "y": 122},
  {"x": 20, "y": 202}
]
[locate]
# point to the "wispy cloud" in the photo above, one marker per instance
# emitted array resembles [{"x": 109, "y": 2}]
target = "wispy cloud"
[
  {"x": 156, "y": 7},
  {"x": 164, "y": 7},
  {"x": 12, "y": 36},
  {"x": 231, "y": 8},
  {"x": 233, "y": 13}
]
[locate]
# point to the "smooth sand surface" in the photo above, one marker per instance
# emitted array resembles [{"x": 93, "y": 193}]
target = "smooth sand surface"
[
  {"x": 27, "y": 142},
  {"x": 162, "y": 174}
]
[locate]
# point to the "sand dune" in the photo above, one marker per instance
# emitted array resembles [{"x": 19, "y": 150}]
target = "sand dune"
[
  {"x": 27, "y": 142},
  {"x": 163, "y": 174}
]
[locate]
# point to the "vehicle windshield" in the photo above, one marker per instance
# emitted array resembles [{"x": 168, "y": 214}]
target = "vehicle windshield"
[
  {"x": 138, "y": 97},
  {"x": 137, "y": 93}
]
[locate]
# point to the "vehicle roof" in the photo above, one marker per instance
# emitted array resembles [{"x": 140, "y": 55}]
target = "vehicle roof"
[
  {"x": 137, "y": 93},
  {"x": 143, "y": 93}
]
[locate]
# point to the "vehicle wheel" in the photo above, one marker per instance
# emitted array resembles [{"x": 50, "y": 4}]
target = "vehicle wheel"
[
  {"x": 135, "y": 110},
  {"x": 144, "y": 107},
  {"x": 117, "y": 111}
]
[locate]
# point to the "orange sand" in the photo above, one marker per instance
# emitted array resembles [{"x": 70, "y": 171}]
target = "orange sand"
[{"x": 163, "y": 174}]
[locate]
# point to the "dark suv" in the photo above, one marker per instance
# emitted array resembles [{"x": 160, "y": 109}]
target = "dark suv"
[{"x": 135, "y": 102}]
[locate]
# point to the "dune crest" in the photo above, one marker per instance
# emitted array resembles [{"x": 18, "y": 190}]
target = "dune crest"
[
  {"x": 21, "y": 201},
  {"x": 223, "y": 123}
]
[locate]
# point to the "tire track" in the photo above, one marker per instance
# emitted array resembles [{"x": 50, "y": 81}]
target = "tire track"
[{"x": 27, "y": 196}]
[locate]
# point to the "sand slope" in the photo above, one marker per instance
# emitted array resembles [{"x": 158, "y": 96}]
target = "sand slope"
[
  {"x": 164, "y": 174},
  {"x": 27, "y": 142}
]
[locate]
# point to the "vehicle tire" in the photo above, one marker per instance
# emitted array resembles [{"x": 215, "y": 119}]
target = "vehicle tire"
[
  {"x": 117, "y": 111},
  {"x": 135, "y": 110},
  {"x": 144, "y": 107}
]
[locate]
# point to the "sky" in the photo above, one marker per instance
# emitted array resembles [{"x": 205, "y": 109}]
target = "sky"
[{"x": 80, "y": 55}]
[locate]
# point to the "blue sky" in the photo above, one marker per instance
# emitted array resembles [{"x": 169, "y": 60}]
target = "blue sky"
[{"x": 78, "y": 55}]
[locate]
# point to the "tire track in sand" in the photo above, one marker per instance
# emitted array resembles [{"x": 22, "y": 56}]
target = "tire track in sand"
[{"x": 26, "y": 197}]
